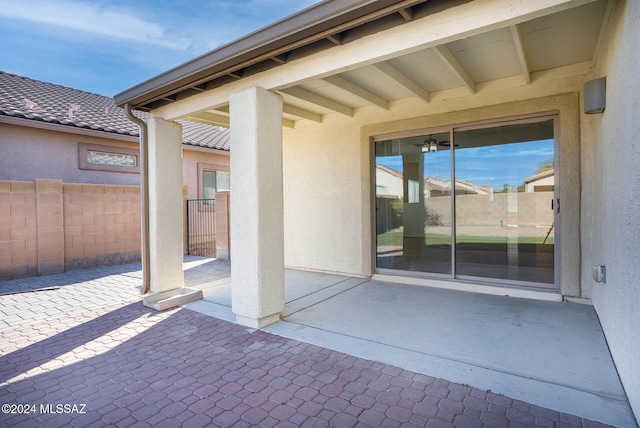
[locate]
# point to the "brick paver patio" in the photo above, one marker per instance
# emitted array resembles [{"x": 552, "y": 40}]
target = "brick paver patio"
[{"x": 92, "y": 346}]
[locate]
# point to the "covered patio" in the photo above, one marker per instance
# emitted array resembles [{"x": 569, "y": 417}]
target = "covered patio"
[
  {"x": 317, "y": 101},
  {"x": 547, "y": 353}
]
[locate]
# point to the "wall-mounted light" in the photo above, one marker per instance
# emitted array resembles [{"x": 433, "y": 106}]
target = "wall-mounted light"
[{"x": 595, "y": 96}]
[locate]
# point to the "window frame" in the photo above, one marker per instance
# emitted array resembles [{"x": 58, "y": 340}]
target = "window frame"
[
  {"x": 84, "y": 164},
  {"x": 209, "y": 167}
]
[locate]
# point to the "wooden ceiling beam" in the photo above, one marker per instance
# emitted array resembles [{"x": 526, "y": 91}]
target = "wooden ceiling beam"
[
  {"x": 447, "y": 57},
  {"x": 522, "y": 57},
  {"x": 403, "y": 80},
  {"x": 356, "y": 90},
  {"x": 319, "y": 100}
]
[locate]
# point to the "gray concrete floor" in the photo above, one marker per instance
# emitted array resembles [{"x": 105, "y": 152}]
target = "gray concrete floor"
[{"x": 549, "y": 354}]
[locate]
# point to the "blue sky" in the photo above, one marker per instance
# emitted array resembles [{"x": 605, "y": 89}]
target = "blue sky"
[{"x": 106, "y": 47}]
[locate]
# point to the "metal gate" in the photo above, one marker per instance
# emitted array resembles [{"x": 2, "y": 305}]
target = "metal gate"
[{"x": 201, "y": 231}]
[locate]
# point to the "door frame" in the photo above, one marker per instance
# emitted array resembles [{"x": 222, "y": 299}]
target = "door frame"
[{"x": 451, "y": 129}]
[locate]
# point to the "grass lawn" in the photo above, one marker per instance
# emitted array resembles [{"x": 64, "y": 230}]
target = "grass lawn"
[{"x": 394, "y": 238}]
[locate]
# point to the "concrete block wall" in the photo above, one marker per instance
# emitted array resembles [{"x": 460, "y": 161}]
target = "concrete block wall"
[
  {"x": 18, "y": 229},
  {"x": 101, "y": 225},
  {"x": 48, "y": 226},
  {"x": 531, "y": 209}
]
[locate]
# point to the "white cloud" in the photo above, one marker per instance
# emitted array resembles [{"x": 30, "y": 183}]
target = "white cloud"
[{"x": 103, "y": 21}]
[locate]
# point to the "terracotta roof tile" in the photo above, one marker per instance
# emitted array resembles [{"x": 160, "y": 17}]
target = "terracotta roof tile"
[{"x": 25, "y": 98}]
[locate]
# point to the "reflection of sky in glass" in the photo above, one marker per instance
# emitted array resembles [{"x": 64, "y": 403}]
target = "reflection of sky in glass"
[{"x": 485, "y": 166}]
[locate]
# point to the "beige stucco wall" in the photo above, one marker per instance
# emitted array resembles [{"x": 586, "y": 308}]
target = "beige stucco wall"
[
  {"x": 23, "y": 156},
  {"x": 328, "y": 174},
  {"x": 191, "y": 158},
  {"x": 611, "y": 196},
  {"x": 326, "y": 194}
]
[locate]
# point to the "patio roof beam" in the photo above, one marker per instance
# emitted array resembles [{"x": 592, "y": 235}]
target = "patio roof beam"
[
  {"x": 407, "y": 14},
  {"x": 222, "y": 120},
  {"x": 522, "y": 57},
  {"x": 319, "y": 100},
  {"x": 210, "y": 119},
  {"x": 237, "y": 74},
  {"x": 447, "y": 57},
  {"x": 199, "y": 88},
  {"x": 301, "y": 113},
  {"x": 403, "y": 80},
  {"x": 336, "y": 39},
  {"x": 288, "y": 109},
  {"x": 280, "y": 59},
  {"x": 466, "y": 20},
  {"x": 356, "y": 90}
]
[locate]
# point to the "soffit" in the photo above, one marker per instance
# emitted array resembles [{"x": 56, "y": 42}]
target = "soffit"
[{"x": 514, "y": 55}]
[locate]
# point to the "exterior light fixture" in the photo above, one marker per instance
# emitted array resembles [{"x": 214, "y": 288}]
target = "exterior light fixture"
[{"x": 595, "y": 98}]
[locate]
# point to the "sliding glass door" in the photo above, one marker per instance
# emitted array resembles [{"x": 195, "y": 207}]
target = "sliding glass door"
[
  {"x": 474, "y": 203},
  {"x": 413, "y": 204}
]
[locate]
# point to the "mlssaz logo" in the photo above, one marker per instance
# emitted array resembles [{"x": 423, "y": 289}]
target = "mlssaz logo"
[{"x": 63, "y": 408}]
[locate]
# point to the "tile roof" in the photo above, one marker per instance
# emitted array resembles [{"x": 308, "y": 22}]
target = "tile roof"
[{"x": 22, "y": 97}]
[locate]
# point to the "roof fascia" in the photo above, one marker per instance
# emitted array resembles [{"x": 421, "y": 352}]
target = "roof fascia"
[
  {"x": 210, "y": 150},
  {"x": 311, "y": 20}
]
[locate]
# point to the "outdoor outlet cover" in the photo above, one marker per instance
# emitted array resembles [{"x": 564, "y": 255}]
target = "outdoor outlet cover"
[{"x": 600, "y": 273}]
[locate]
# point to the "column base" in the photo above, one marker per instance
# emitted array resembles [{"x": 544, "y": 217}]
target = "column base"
[
  {"x": 172, "y": 298},
  {"x": 257, "y": 323}
]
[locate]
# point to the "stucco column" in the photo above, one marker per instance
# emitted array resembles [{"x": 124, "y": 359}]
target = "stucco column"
[
  {"x": 165, "y": 204},
  {"x": 257, "y": 224}
]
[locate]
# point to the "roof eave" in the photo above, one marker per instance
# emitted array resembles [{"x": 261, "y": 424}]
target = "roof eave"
[{"x": 314, "y": 19}]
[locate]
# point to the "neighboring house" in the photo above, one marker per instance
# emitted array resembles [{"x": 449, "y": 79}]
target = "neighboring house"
[
  {"x": 541, "y": 182},
  {"x": 79, "y": 147},
  {"x": 320, "y": 96}
]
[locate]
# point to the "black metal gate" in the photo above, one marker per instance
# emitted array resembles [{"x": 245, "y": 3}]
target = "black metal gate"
[{"x": 201, "y": 231}]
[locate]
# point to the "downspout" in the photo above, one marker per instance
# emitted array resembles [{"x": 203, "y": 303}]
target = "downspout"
[{"x": 144, "y": 197}]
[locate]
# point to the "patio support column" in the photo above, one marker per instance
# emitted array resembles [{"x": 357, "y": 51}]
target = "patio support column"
[
  {"x": 165, "y": 217},
  {"x": 257, "y": 223}
]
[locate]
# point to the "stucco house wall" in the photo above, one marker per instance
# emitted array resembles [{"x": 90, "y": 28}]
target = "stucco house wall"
[
  {"x": 611, "y": 196},
  {"x": 328, "y": 173},
  {"x": 46, "y": 153},
  {"x": 96, "y": 207},
  {"x": 191, "y": 157}
]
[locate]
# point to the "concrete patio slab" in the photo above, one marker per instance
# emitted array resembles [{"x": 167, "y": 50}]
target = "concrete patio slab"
[
  {"x": 548, "y": 353},
  {"x": 88, "y": 341}
]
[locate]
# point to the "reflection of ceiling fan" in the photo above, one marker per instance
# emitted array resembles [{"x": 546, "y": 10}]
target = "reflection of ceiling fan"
[{"x": 431, "y": 144}]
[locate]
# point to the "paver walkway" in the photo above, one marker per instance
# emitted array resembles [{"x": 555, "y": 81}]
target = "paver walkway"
[{"x": 112, "y": 361}]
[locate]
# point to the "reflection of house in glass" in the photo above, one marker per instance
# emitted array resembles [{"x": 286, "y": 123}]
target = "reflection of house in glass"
[
  {"x": 389, "y": 185},
  {"x": 434, "y": 187},
  {"x": 541, "y": 182}
]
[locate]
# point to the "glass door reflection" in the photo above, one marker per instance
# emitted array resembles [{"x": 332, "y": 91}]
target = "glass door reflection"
[
  {"x": 505, "y": 183},
  {"x": 413, "y": 204}
]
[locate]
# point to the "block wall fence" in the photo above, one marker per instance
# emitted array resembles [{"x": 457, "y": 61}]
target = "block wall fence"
[{"x": 47, "y": 226}]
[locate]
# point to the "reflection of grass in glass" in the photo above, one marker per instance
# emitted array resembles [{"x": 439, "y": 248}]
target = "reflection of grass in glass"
[
  {"x": 394, "y": 238},
  {"x": 390, "y": 238},
  {"x": 503, "y": 239}
]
